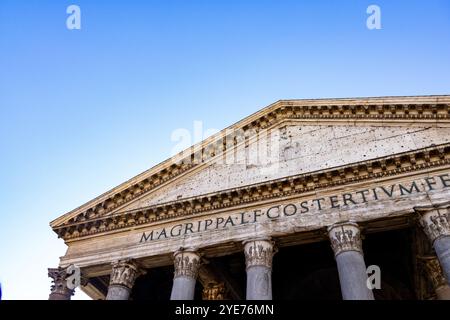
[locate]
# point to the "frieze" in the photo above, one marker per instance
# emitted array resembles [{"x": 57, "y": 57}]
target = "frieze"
[
  {"x": 295, "y": 185},
  {"x": 296, "y": 209}
]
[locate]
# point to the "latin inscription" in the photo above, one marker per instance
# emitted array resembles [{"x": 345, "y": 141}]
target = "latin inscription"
[{"x": 333, "y": 202}]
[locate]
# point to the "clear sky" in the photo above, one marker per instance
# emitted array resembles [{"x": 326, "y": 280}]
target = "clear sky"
[{"x": 83, "y": 110}]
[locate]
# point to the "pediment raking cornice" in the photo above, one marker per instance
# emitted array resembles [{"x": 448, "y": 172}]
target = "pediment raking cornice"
[{"x": 416, "y": 109}]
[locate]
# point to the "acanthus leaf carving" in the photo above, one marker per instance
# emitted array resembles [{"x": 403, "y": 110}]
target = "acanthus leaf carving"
[
  {"x": 345, "y": 237},
  {"x": 124, "y": 273},
  {"x": 259, "y": 253},
  {"x": 187, "y": 264}
]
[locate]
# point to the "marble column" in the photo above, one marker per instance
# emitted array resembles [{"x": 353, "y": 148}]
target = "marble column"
[
  {"x": 59, "y": 289},
  {"x": 258, "y": 261},
  {"x": 434, "y": 273},
  {"x": 347, "y": 246},
  {"x": 187, "y": 263},
  {"x": 124, "y": 274},
  {"x": 435, "y": 221}
]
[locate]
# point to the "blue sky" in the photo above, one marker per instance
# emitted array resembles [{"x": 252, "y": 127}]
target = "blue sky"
[{"x": 84, "y": 110}]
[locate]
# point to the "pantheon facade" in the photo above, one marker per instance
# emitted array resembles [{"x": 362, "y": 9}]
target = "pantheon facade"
[{"x": 304, "y": 199}]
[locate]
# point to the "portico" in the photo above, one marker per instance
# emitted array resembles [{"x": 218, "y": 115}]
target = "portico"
[{"x": 343, "y": 179}]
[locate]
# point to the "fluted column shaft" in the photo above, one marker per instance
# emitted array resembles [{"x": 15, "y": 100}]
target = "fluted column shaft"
[
  {"x": 124, "y": 274},
  {"x": 187, "y": 263},
  {"x": 258, "y": 261},
  {"x": 347, "y": 246}
]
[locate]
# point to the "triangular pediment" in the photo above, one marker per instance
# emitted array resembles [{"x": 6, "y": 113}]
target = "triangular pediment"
[
  {"x": 293, "y": 148},
  {"x": 285, "y": 139}
]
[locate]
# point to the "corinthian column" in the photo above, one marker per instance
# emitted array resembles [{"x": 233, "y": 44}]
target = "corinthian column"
[
  {"x": 124, "y": 274},
  {"x": 347, "y": 246},
  {"x": 434, "y": 273},
  {"x": 214, "y": 291},
  {"x": 187, "y": 263},
  {"x": 258, "y": 261},
  {"x": 59, "y": 289},
  {"x": 435, "y": 221}
]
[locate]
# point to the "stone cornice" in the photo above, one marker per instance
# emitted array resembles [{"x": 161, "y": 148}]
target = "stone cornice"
[
  {"x": 416, "y": 109},
  {"x": 294, "y": 185}
]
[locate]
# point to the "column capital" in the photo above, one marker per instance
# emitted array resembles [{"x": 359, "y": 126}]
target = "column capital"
[
  {"x": 345, "y": 236},
  {"x": 259, "y": 252},
  {"x": 187, "y": 263},
  {"x": 59, "y": 287},
  {"x": 435, "y": 220},
  {"x": 433, "y": 271},
  {"x": 214, "y": 291},
  {"x": 125, "y": 272}
]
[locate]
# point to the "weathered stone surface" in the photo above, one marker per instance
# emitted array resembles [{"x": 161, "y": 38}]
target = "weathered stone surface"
[
  {"x": 123, "y": 276},
  {"x": 259, "y": 283},
  {"x": 59, "y": 288},
  {"x": 442, "y": 248},
  {"x": 104, "y": 249},
  {"x": 345, "y": 238},
  {"x": 353, "y": 276},
  {"x": 293, "y": 149},
  {"x": 116, "y": 292},
  {"x": 214, "y": 291},
  {"x": 435, "y": 220},
  {"x": 433, "y": 272},
  {"x": 371, "y": 161},
  {"x": 258, "y": 261},
  {"x": 187, "y": 264}
]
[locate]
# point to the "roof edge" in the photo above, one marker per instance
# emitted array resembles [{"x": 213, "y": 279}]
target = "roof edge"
[{"x": 384, "y": 100}]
